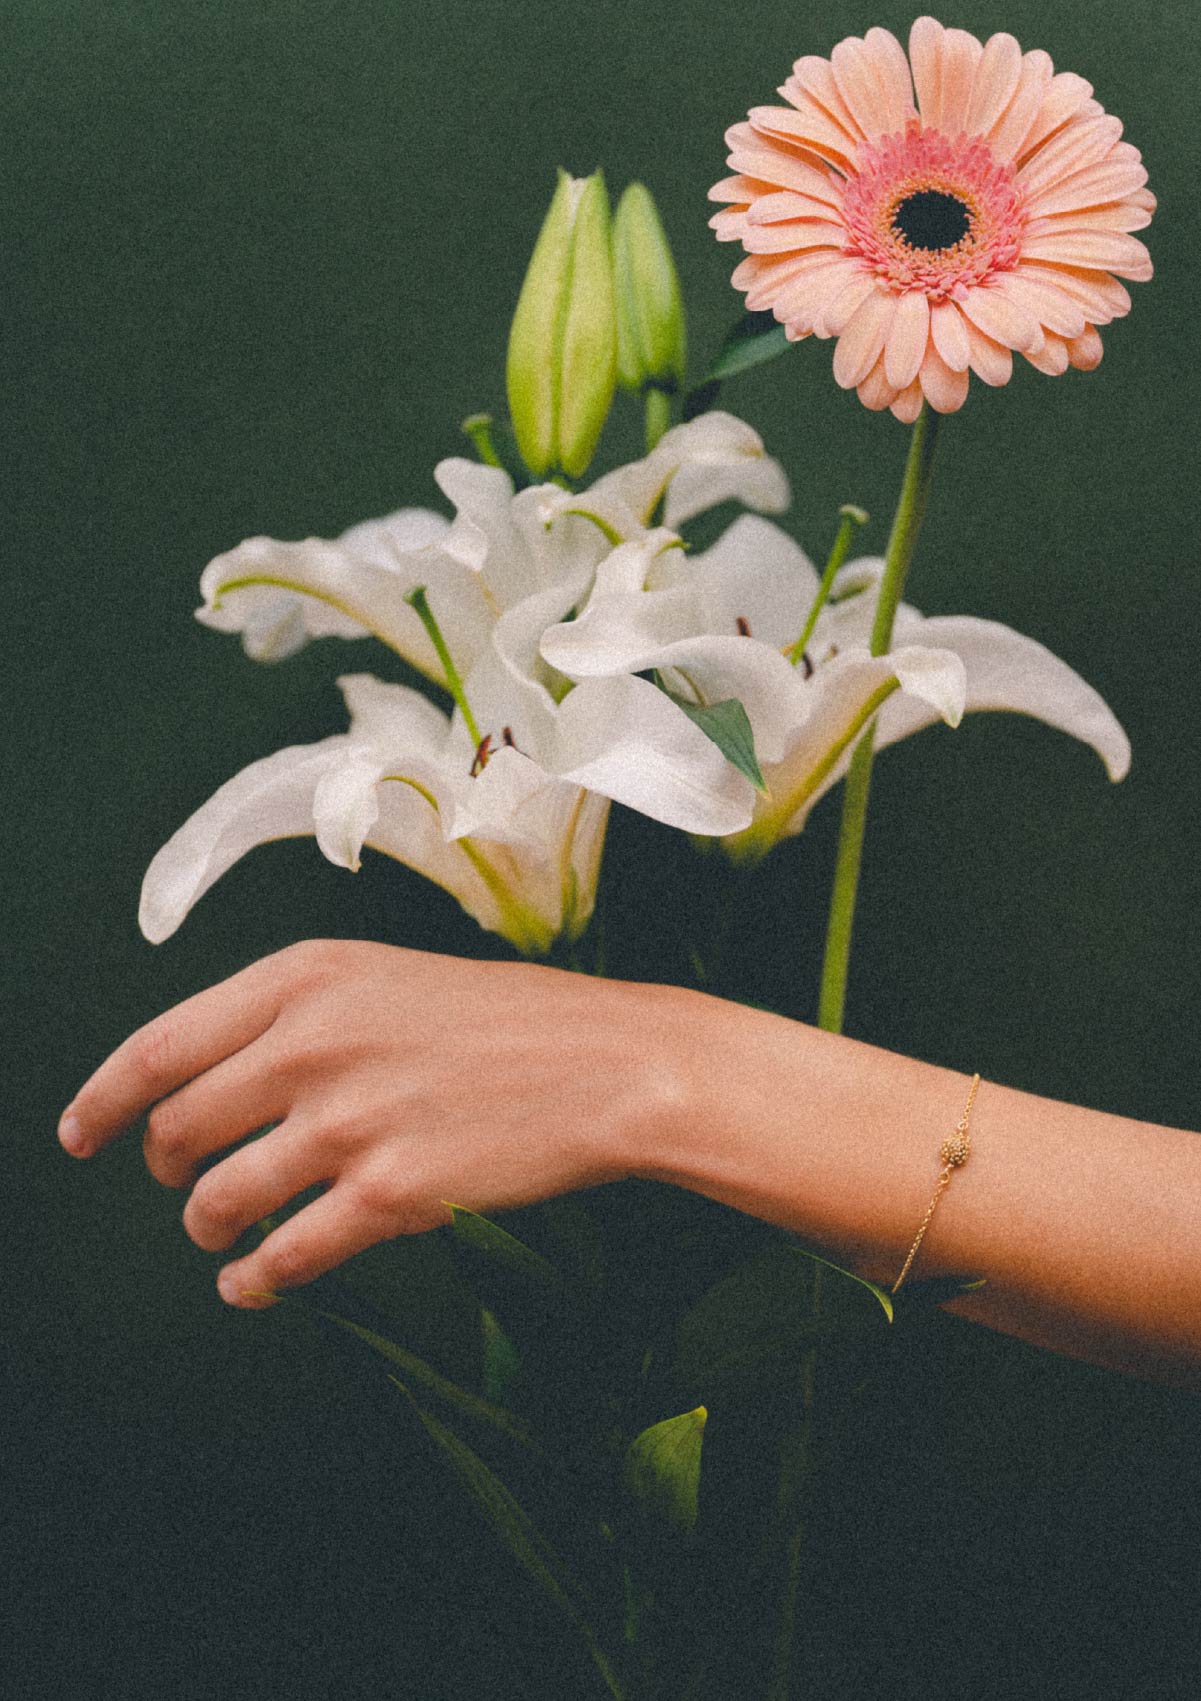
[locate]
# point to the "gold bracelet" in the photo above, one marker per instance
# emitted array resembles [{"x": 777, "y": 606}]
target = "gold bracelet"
[{"x": 954, "y": 1153}]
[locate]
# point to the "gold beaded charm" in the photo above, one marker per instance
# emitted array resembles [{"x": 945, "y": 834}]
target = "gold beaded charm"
[{"x": 954, "y": 1152}]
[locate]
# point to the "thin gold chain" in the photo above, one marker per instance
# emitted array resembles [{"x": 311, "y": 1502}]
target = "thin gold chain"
[{"x": 954, "y": 1152}]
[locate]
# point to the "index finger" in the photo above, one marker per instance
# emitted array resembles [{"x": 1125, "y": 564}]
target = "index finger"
[{"x": 167, "y": 1052}]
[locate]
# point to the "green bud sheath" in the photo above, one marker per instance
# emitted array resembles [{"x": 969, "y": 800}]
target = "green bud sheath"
[
  {"x": 587, "y": 363},
  {"x": 531, "y": 370},
  {"x": 651, "y": 337}
]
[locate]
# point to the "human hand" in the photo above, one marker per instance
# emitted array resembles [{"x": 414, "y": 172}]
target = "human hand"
[{"x": 397, "y": 1079}]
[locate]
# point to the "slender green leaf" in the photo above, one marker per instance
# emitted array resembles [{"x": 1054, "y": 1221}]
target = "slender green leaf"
[
  {"x": 726, "y": 723},
  {"x": 502, "y": 1361},
  {"x": 755, "y": 339},
  {"x": 663, "y": 1468},
  {"x": 508, "y": 1518},
  {"x": 461, "y": 1399},
  {"x": 879, "y": 1294},
  {"x": 498, "y": 1245}
]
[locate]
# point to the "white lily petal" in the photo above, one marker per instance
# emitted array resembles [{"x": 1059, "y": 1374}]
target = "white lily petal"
[
  {"x": 757, "y": 572},
  {"x": 711, "y": 459},
  {"x": 346, "y": 806},
  {"x": 394, "y": 717},
  {"x": 937, "y": 678},
  {"x": 279, "y": 594},
  {"x": 627, "y": 740},
  {"x": 271, "y": 799},
  {"x": 1006, "y": 670}
]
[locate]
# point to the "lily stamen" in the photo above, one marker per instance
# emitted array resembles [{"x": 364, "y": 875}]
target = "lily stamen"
[
  {"x": 419, "y": 603},
  {"x": 851, "y": 518}
]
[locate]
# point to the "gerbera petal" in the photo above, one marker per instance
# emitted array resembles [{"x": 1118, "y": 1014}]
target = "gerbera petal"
[
  {"x": 1000, "y": 318},
  {"x": 1103, "y": 181},
  {"x": 812, "y": 129},
  {"x": 946, "y": 391},
  {"x": 790, "y": 238},
  {"x": 782, "y": 204},
  {"x": 1084, "y": 351},
  {"x": 908, "y": 404},
  {"x": 1049, "y": 306},
  {"x": 1051, "y": 357},
  {"x": 1078, "y": 145},
  {"x": 950, "y": 333},
  {"x": 907, "y": 338},
  {"x": 991, "y": 362},
  {"x": 961, "y": 53},
  {"x": 1065, "y": 96},
  {"x": 1014, "y": 125},
  {"x": 838, "y": 312},
  {"x": 866, "y": 80},
  {"x": 888, "y": 60},
  {"x": 814, "y": 289},
  {"x": 925, "y": 56},
  {"x": 997, "y": 75},
  {"x": 742, "y": 190},
  {"x": 730, "y": 225},
  {"x": 814, "y": 84},
  {"x": 758, "y": 156},
  {"x": 774, "y": 289},
  {"x": 1110, "y": 250},
  {"x": 863, "y": 339},
  {"x": 875, "y": 392},
  {"x": 1103, "y": 298}
]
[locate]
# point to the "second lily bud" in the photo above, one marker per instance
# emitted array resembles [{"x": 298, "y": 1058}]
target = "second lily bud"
[
  {"x": 651, "y": 343},
  {"x": 562, "y": 361}
]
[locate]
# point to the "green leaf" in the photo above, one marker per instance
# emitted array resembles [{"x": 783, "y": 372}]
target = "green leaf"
[
  {"x": 508, "y": 1518},
  {"x": 879, "y": 1294},
  {"x": 496, "y": 1244},
  {"x": 502, "y": 1361},
  {"x": 663, "y": 1468},
  {"x": 417, "y": 1370},
  {"x": 752, "y": 1329},
  {"x": 727, "y": 725},
  {"x": 756, "y": 338}
]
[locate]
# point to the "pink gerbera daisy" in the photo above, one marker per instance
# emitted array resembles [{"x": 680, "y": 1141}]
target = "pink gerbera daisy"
[{"x": 933, "y": 239}]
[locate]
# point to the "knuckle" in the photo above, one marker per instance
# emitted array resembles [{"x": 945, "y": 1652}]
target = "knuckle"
[
  {"x": 285, "y": 1266},
  {"x": 212, "y": 1217},
  {"x": 165, "y": 1145},
  {"x": 153, "y": 1050}
]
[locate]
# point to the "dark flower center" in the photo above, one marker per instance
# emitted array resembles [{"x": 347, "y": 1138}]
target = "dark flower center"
[{"x": 930, "y": 219}]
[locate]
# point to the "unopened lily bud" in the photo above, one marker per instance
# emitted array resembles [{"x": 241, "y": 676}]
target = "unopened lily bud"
[
  {"x": 562, "y": 363},
  {"x": 650, "y": 309}
]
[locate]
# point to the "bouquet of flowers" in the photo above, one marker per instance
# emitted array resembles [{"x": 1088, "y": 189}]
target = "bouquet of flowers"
[{"x": 935, "y": 212}]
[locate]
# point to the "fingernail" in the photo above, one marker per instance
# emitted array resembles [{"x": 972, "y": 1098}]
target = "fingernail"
[
  {"x": 229, "y": 1286},
  {"x": 70, "y": 1135}
]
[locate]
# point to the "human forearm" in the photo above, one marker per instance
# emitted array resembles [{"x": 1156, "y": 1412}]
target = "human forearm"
[{"x": 1086, "y": 1226}]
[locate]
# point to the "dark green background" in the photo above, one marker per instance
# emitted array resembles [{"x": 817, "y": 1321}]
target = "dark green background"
[{"x": 260, "y": 262}]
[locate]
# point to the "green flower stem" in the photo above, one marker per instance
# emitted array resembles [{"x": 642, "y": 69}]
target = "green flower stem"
[
  {"x": 796, "y": 1448},
  {"x": 419, "y": 603},
  {"x": 479, "y": 428},
  {"x": 658, "y": 414},
  {"x": 851, "y": 517},
  {"x": 906, "y": 525}
]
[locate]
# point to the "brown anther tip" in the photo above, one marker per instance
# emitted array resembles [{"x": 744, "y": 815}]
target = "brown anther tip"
[{"x": 743, "y": 625}]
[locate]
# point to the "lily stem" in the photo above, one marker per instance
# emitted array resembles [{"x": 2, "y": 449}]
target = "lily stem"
[{"x": 906, "y": 526}]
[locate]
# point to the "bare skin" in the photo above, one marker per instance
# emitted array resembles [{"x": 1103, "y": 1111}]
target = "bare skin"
[{"x": 401, "y": 1080}]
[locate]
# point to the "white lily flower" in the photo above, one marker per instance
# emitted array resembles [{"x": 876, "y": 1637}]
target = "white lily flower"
[
  {"x": 514, "y": 830},
  {"x": 720, "y": 626},
  {"x": 501, "y": 548}
]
